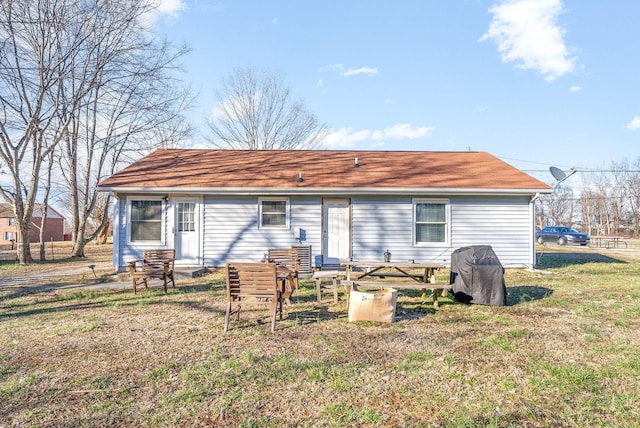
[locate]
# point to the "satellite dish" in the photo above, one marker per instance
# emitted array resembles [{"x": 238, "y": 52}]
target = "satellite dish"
[
  {"x": 560, "y": 175},
  {"x": 557, "y": 173}
]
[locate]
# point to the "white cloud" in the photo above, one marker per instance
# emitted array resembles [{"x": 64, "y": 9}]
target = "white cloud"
[
  {"x": 634, "y": 124},
  {"x": 527, "y": 34},
  {"x": 347, "y": 137},
  {"x": 347, "y": 72},
  {"x": 402, "y": 131},
  {"x": 575, "y": 88},
  {"x": 361, "y": 70},
  {"x": 170, "y": 7},
  {"x": 339, "y": 68},
  {"x": 164, "y": 8}
]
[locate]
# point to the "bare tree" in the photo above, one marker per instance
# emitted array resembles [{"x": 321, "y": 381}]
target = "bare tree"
[
  {"x": 85, "y": 75},
  {"x": 632, "y": 191},
  {"x": 255, "y": 111},
  {"x": 37, "y": 45},
  {"x": 596, "y": 203},
  {"x": 135, "y": 106},
  {"x": 556, "y": 208},
  {"x": 44, "y": 208}
]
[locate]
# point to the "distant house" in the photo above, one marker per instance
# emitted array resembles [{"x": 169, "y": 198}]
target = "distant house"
[
  {"x": 54, "y": 227},
  {"x": 215, "y": 206}
]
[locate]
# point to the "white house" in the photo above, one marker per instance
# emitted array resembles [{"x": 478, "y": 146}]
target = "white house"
[{"x": 215, "y": 206}]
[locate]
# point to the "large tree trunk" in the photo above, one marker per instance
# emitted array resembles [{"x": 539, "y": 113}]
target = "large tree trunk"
[
  {"x": 79, "y": 243},
  {"x": 43, "y": 222},
  {"x": 23, "y": 248}
]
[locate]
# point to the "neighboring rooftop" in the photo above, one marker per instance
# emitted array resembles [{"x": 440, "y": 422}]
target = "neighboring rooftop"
[
  {"x": 6, "y": 211},
  {"x": 193, "y": 169}
]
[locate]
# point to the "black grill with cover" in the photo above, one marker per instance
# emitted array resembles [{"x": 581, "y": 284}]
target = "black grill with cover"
[{"x": 477, "y": 276}]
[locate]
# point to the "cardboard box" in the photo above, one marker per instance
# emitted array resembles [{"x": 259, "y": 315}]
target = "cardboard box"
[{"x": 379, "y": 306}]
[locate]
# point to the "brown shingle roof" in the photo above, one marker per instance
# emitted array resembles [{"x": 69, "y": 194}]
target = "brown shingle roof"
[{"x": 321, "y": 169}]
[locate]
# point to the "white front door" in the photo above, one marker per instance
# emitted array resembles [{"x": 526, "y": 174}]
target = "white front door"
[
  {"x": 337, "y": 231},
  {"x": 186, "y": 231}
]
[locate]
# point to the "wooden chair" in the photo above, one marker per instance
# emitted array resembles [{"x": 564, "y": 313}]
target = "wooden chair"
[
  {"x": 253, "y": 283},
  {"x": 154, "y": 264},
  {"x": 287, "y": 258}
]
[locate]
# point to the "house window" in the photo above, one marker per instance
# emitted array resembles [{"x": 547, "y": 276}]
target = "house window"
[
  {"x": 8, "y": 236},
  {"x": 431, "y": 221},
  {"x": 186, "y": 213},
  {"x": 12, "y": 221},
  {"x": 274, "y": 212},
  {"x": 146, "y": 220}
]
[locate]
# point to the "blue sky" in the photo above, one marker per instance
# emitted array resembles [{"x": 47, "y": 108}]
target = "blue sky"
[{"x": 535, "y": 82}]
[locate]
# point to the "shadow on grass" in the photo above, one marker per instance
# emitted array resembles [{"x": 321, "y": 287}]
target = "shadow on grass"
[
  {"x": 73, "y": 300},
  {"x": 314, "y": 316},
  {"x": 526, "y": 293},
  {"x": 559, "y": 260}
]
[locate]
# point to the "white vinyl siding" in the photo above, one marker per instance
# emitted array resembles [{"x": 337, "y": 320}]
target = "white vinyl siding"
[
  {"x": 232, "y": 232},
  {"x": 126, "y": 250},
  {"x": 381, "y": 223},
  {"x": 503, "y": 223}
]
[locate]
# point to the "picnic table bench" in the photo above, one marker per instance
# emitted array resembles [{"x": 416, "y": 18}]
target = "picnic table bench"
[
  {"x": 435, "y": 289},
  {"x": 327, "y": 275}
]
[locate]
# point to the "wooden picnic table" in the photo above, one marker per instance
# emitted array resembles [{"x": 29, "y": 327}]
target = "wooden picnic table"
[
  {"x": 609, "y": 241},
  {"x": 424, "y": 281}
]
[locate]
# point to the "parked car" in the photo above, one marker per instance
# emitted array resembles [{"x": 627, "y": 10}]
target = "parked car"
[{"x": 562, "y": 235}]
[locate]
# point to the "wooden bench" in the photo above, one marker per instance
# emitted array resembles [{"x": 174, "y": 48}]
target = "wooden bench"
[
  {"x": 419, "y": 276},
  {"x": 327, "y": 275},
  {"x": 252, "y": 283},
  {"x": 286, "y": 257},
  {"x": 157, "y": 263},
  {"x": 434, "y": 288}
]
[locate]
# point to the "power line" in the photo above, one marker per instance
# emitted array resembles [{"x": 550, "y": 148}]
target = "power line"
[{"x": 579, "y": 169}]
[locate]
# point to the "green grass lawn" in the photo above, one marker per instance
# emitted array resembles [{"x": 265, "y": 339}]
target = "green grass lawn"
[{"x": 563, "y": 353}]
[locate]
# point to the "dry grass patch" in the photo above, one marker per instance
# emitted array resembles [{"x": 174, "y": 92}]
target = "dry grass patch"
[{"x": 562, "y": 353}]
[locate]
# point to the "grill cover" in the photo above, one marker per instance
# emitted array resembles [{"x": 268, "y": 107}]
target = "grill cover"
[{"x": 477, "y": 276}]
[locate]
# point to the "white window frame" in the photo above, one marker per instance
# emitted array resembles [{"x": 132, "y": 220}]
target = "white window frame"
[
  {"x": 163, "y": 220},
  {"x": 447, "y": 225},
  {"x": 287, "y": 212}
]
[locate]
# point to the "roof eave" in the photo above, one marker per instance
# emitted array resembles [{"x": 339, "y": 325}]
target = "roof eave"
[{"x": 327, "y": 191}]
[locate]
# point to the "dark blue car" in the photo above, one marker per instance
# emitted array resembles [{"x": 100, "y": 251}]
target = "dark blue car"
[{"x": 562, "y": 235}]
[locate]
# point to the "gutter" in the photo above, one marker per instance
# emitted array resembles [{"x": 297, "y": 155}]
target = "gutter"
[{"x": 327, "y": 191}]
